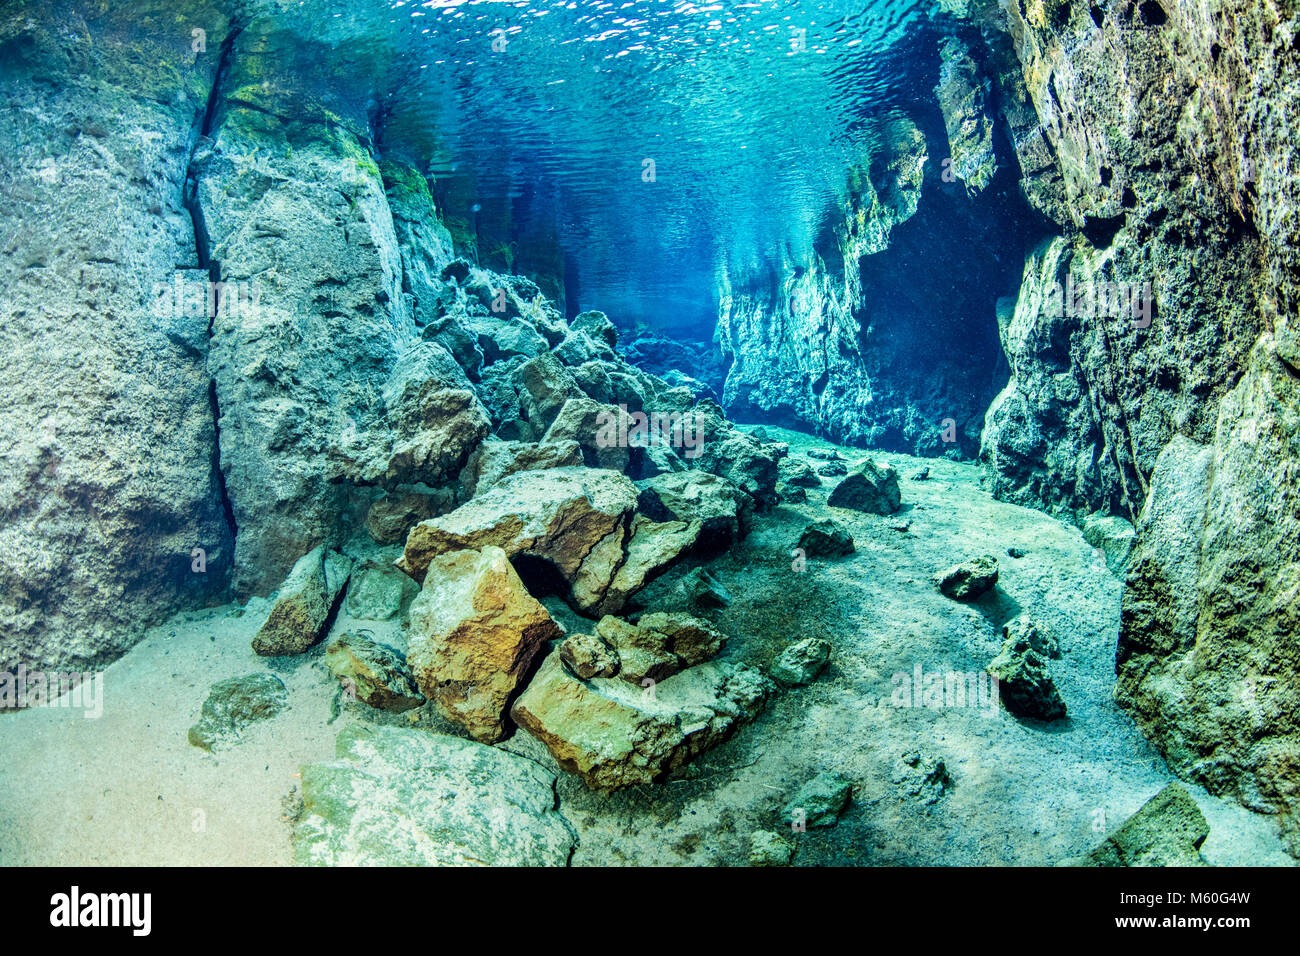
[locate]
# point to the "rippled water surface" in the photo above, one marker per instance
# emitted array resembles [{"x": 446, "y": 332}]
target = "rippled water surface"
[{"x": 665, "y": 144}]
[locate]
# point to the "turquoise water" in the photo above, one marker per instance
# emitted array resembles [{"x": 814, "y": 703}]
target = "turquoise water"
[{"x": 666, "y": 147}]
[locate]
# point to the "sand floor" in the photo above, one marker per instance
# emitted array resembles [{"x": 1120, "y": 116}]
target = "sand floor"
[{"x": 128, "y": 788}]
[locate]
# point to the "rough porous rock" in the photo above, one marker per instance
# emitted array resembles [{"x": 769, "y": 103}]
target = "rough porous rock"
[
  {"x": 559, "y": 514},
  {"x": 721, "y": 508},
  {"x": 615, "y": 734},
  {"x": 1113, "y": 535},
  {"x": 870, "y": 487},
  {"x": 391, "y": 518},
  {"x": 970, "y": 579},
  {"x": 397, "y": 797},
  {"x": 1206, "y": 660},
  {"x": 305, "y": 604},
  {"x": 797, "y": 472},
  {"x": 825, "y": 539},
  {"x": 657, "y": 646},
  {"x": 1024, "y": 679},
  {"x": 768, "y": 849},
  {"x": 1167, "y": 831},
  {"x": 820, "y": 801},
  {"x": 473, "y": 635},
  {"x": 801, "y": 662},
  {"x": 494, "y": 460},
  {"x": 372, "y": 673},
  {"x": 652, "y": 547},
  {"x": 231, "y": 705},
  {"x": 378, "y": 591},
  {"x": 704, "y": 591},
  {"x": 107, "y": 439}
]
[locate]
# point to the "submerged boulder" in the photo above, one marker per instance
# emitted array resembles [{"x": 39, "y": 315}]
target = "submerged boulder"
[
  {"x": 797, "y": 472},
  {"x": 372, "y": 672},
  {"x": 819, "y": 802},
  {"x": 494, "y": 460},
  {"x": 970, "y": 579},
  {"x": 559, "y": 514},
  {"x": 657, "y": 646},
  {"x": 305, "y": 604},
  {"x": 1024, "y": 680},
  {"x": 615, "y": 734},
  {"x": 721, "y": 508},
  {"x": 398, "y": 797},
  {"x": 474, "y": 633},
  {"x": 869, "y": 487},
  {"x": 801, "y": 662},
  {"x": 825, "y": 539},
  {"x": 652, "y": 547},
  {"x": 377, "y": 592},
  {"x": 1167, "y": 831},
  {"x": 231, "y": 705}
]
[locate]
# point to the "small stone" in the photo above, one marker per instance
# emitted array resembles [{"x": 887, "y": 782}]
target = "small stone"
[
  {"x": 703, "y": 590},
  {"x": 801, "y": 662},
  {"x": 870, "y": 488},
  {"x": 826, "y": 539},
  {"x": 768, "y": 849},
  {"x": 820, "y": 801},
  {"x": 375, "y": 673},
  {"x": 233, "y": 704},
  {"x": 1024, "y": 681},
  {"x": 1016, "y": 553},
  {"x": 832, "y": 469},
  {"x": 824, "y": 454},
  {"x": 1168, "y": 830},
  {"x": 970, "y": 579}
]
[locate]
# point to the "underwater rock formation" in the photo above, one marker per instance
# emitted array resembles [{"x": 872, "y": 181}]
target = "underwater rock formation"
[
  {"x": 616, "y": 734},
  {"x": 474, "y": 632},
  {"x": 410, "y": 798},
  {"x": 107, "y": 439},
  {"x": 1170, "y": 135},
  {"x": 1167, "y": 831}
]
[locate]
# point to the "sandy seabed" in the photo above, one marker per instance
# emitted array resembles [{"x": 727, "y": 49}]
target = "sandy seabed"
[{"x": 128, "y": 788}]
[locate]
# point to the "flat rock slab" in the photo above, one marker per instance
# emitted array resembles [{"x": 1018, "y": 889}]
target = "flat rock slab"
[
  {"x": 1167, "y": 831},
  {"x": 305, "y": 604},
  {"x": 233, "y": 704},
  {"x": 398, "y": 797},
  {"x": 615, "y": 734}
]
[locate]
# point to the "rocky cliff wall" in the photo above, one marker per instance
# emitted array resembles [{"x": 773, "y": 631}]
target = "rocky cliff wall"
[{"x": 1168, "y": 125}]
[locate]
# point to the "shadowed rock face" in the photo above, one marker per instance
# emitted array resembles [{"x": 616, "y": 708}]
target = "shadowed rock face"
[
  {"x": 107, "y": 444},
  {"x": 1168, "y": 136}
]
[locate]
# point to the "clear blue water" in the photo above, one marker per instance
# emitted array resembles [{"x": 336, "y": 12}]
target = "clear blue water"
[{"x": 537, "y": 121}]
